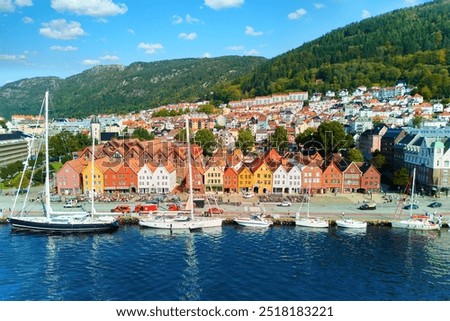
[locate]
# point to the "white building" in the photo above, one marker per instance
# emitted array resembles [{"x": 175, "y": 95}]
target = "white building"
[
  {"x": 157, "y": 178},
  {"x": 280, "y": 178},
  {"x": 295, "y": 180}
]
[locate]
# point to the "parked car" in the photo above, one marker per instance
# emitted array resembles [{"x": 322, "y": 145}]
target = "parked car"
[
  {"x": 214, "y": 210},
  {"x": 285, "y": 204},
  {"x": 368, "y": 206},
  {"x": 145, "y": 208},
  {"x": 408, "y": 207},
  {"x": 121, "y": 209},
  {"x": 435, "y": 204}
]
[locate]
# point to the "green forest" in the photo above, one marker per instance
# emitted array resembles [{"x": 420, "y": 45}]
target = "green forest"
[{"x": 409, "y": 45}]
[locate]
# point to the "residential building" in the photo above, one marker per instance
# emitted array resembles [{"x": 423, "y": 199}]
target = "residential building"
[
  {"x": 332, "y": 178},
  {"x": 245, "y": 179},
  {"x": 156, "y": 178},
  {"x": 68, "y": 179},
  {"x": 214, "y": 177},
  {"x": 230, "y": 180}
]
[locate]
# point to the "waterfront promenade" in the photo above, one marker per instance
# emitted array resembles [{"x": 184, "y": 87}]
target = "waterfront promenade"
[{"x": 328, "y": 206}]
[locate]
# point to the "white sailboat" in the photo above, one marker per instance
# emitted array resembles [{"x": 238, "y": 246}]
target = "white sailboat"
[
  {"x": 182, "y": 219},
  {"x": 417, "y": 222},
  {"x": 309, "y": 221},
  {"x": 350, "y": 223},
  {"x": 57, "y": 221}
]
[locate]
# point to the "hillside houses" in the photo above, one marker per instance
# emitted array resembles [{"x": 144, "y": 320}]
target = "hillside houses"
[{"x": 228, "y": 170}]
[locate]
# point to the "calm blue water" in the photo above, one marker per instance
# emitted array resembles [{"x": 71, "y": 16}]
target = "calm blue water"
[{"x": 281, "y": 263}]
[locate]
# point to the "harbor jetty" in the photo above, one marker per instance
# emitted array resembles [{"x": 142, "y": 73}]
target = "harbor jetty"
[{"x": 328, "y": 206}]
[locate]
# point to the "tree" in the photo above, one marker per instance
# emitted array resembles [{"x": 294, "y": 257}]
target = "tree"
[
  {"x": 181, "y": 135},
  {"x": 207, "y": 109},
  {"x": 245, "y": 140},
  {"x": 65, "y": 143},
  {"x": 142, "y": 134},
  {"x": 401, "y": 177},
  {"x": 306, "y": 136},
  {"x": 378, "y": 160},
  {"x": 355, "y": 155},
  {"x": 206, "y": 139},
  {"x": 279, "y": 139},
  {"x": 417, "y": 121},
  {"x": 333, "y": 137}
]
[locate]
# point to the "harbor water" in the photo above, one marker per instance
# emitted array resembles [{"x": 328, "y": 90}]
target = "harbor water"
[{"x": 281, "y": 263}]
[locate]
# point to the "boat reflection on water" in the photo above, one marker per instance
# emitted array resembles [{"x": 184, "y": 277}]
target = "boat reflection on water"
[
  {"x": 210, "y": 231},
  {"x": 351, "y": 231},
  {"x": 190, "y": 288}
]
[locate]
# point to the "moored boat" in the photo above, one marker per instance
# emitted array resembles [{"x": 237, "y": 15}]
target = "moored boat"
[
  {"x": 57, "y": 221},
  {"x": 255, "y": 220},
  {"x": 350, "y": 223}
]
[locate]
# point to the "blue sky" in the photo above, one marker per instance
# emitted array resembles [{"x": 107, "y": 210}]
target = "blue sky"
[{"x": 64, "y": 37}]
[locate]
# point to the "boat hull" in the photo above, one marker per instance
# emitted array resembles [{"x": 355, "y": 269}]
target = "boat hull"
[
  {"x": 312, "y": 223},
  {"x": 252, "y": 223},
  {"x": 351, "y": 224},
  {"x": 415, "y": 225},
  {"x": 169, "y": 224},
  {"x": 41, "y": 224}
]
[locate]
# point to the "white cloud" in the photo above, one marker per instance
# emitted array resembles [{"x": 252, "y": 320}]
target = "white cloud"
[
  {"x": 9, "y": 6},
  {"x": 94, "y": 8},
  {"x": 27, "y": 20},
  {"x": 23, "y": 3},
  {"x": 63, "y": 48},
  {"x": 90, "y": 62},
  {"x": 61, "y": 29},
  {"x": 297, "y": 14},
  {"x": 223, "y": 4},
  {"x": 189, "y": 19},
  {"x": 236, "y": 48},
  {"x": 319, "y": 5},
  {"x": 176, "y": 20},
  {"x": 251, "y": 32},
  {"x": 251, "y": 52},
  {"x": 410, "y": 2},
  {"x": 366, "y": 14},
  {"x": 150, "y": 48},
  {"x": 206, "y": 55},
  {"x": 110, "y": 58},
  {"x": 187, "y": 36},
  {"x": 131, "y": 31},
  {"x": 12, "y": 57},
  {"x": 6, "y": 6}
]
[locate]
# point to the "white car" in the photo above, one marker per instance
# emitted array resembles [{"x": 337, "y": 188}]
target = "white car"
[{"x": 285, "y": 204}]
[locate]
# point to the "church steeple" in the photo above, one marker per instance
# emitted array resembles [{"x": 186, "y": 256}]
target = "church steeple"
[{"x": 95, "y": 128}]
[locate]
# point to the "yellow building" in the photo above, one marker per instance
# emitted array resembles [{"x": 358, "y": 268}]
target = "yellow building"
[
  {"x": 98, "y": 179},
  {"x": 214, "y": 178},
  {"x": 262, "y": 178},
  {"x": 245, "y": 179}
]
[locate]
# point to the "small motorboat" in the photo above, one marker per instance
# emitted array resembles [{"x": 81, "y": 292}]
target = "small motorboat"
[{"x": 253, "y": 221}]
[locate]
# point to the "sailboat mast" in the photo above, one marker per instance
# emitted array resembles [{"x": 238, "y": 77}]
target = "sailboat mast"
[
  {"x": 412, "y": 192},
  {"x": 191, "y": 196},
  {"x": 92, "y": 173},
  {"x": 309, "y": 198},
  {"x": 47, "y": 161}
]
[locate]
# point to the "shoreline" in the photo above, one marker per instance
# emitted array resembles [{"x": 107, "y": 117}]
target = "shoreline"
[{"x": 327, "y": 206}]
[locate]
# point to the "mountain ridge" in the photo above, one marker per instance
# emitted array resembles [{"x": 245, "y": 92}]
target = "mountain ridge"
[{"x": 408, "y": 45}]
